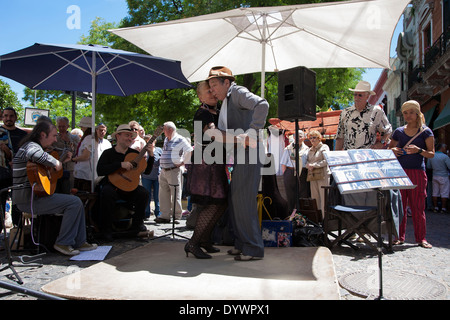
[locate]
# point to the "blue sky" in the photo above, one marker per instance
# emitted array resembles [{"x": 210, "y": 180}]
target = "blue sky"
[{"x": 25, "y": 22}]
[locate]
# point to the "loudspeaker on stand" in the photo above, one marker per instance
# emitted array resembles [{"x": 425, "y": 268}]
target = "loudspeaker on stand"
[{"x": 297, "y": 94}]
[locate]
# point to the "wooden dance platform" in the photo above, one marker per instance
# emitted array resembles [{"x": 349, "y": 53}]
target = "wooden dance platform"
[{"x": 161, "y": 271}]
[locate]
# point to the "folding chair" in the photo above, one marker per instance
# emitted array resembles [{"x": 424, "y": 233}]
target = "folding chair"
[{"x": 354, "y": 220}]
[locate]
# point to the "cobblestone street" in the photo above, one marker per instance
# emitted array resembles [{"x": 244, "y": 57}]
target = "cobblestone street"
[{"x": 428, "y": 263}]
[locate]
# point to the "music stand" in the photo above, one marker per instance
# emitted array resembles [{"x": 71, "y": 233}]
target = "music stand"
[
  {"x": 381, "y": 208},
  {"x": 369, "y": 170},
  {"x": 173, "y": 234},
  {"x": 10, "y": 258}
]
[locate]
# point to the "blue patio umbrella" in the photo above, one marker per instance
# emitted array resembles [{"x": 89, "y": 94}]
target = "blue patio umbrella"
[
  {"x": 79, "y": 67},
  {"x": 91, "y": 68}
]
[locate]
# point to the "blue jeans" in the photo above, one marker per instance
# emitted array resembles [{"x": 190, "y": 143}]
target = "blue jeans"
[
  {"x": 152, "y": 187},
  {"x": 73, "y": 226}
]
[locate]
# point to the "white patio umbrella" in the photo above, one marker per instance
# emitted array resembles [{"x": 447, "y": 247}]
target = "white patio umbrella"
[{"x": 323, "y": 35}]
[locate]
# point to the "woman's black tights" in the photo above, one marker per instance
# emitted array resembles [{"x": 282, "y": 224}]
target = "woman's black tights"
[{"x": 206, "y": 220}]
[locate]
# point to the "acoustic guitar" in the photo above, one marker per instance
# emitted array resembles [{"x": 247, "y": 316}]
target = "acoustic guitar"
[
  {"x": 128, "y": 180},
  {"x": 44, "y": 177}
]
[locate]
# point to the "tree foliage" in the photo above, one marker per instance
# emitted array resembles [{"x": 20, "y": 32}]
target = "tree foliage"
[
  {"x": 59, "y": 103},
  {"x": 99, "y": 34},
  {"x": 8, "y": 98}
]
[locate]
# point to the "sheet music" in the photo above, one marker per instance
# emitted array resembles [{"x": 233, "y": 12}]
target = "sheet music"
[
  {"x": 98, "y": 254},
  {"x": 362, "y": 170}
]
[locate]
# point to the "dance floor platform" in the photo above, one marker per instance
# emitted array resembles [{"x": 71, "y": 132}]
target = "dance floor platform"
[{"x": 161, "y": 271}]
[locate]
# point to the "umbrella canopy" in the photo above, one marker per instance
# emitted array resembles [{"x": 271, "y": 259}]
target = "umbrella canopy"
[
  {"x": 91, "y": 68},
  {"x": 324, "y": 35},
  {"x": 73, "y": 67}
]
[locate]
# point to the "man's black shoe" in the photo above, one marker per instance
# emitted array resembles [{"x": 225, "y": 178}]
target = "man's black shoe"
[{"x": 162, "y": 220}]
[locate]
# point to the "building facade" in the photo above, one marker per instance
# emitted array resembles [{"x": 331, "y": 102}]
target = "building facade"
[{"x": 421, "y": 70}]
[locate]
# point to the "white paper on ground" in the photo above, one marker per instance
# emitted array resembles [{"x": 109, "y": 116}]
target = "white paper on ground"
[{"x": 98, "y": 254}]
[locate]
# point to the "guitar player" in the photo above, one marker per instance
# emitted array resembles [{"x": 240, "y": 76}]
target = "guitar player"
[
  {"x": 72, "y": 234},
  {"x": 114, "y": 160}
]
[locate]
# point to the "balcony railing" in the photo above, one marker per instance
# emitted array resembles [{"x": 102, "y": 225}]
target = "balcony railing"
[
  {"x": 437, "y": 50},
  {"x": 432, "y": 54}
]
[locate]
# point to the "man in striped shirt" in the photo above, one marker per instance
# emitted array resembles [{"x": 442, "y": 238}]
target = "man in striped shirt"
[
  {"x": 72, "y": 234},
  {"x": 176, "y": 151}
]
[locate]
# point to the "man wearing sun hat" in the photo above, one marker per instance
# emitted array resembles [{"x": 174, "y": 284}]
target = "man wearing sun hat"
[
  {"x": 357, "y": 129},
  {"x": 245, "y": 112},
  {"x": 110, "y": 162},
  {"x": 359, "y": 124}
]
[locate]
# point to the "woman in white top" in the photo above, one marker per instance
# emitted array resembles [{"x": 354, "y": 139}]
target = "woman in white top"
[{"x": 83, "y": 164}]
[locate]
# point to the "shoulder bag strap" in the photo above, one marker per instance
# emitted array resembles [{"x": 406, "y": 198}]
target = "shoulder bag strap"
[{"x": 417, "y": 134}]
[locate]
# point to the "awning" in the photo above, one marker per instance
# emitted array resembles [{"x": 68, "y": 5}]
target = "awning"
[
  {"x": 326, "y": 123},
  {"x": 444, "y": 117},
  {"x": 428, "y": 114}
]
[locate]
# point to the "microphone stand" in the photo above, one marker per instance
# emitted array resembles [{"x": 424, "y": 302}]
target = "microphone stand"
[
  {"x": 6, "y": 244},
  {"x": 10, "y": 286},
  {"x": 173, "y": 218}
]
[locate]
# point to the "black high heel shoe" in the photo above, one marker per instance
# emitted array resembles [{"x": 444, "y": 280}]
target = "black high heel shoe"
[
  {"x": 209, "y": 248},
  {"x": 196, "y": 251}
]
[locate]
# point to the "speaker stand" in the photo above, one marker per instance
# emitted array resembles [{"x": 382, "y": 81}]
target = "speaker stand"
[{"x": 297, "y": 169}]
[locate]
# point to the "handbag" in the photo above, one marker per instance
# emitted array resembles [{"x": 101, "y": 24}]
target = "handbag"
[
  {"x": 306, "y": 233},
  {"x": 308, "y": 236},
  {"x": 315, "y": 174}
]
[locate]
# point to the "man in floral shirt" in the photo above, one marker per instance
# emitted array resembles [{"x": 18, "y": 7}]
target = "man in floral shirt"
[
  {"x": 358, "y": 127},
  {"x": 359, "y": 124}
]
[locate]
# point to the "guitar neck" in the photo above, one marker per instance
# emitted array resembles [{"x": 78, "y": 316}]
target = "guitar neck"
[
  {"x": 63, "y": 154},
  {"x": 144, "y": 150}
]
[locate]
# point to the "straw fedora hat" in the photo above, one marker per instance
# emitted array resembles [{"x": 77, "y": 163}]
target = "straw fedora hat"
[
  {"x": 124, "y": 128},
  {"x": 85, "y": 122},
  {"x": 221, "y": 72},
  {"x": 363, "y": 86}
]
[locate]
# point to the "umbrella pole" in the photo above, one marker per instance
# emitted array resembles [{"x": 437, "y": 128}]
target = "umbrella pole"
[
  {"x": 94, "y": 93},
  {"x": 263, "y": 62},
  {"x": 74, "y": 105},
  {"x": 263, "y": 74}
]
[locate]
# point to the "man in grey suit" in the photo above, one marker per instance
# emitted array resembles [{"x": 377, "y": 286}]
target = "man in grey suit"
[{"x": 242, "y": 115}]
